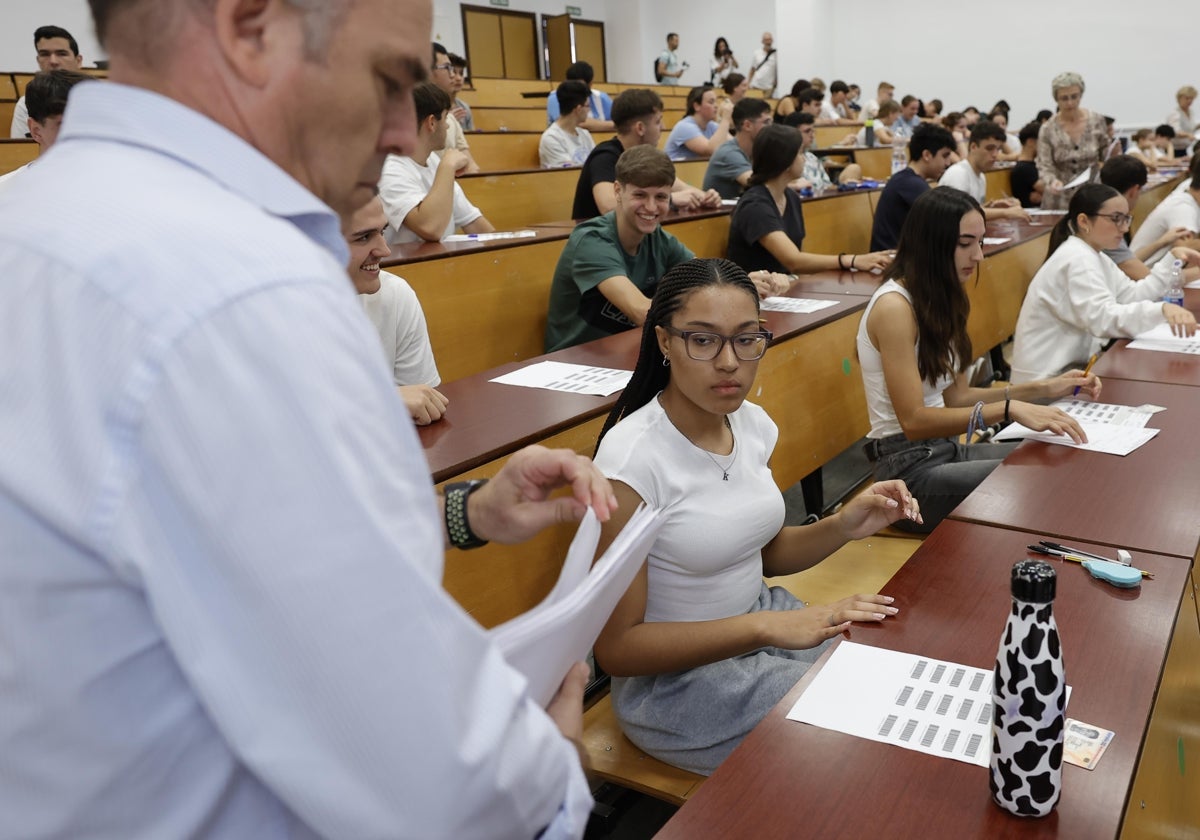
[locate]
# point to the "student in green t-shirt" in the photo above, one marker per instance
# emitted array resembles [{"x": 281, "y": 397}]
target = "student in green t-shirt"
[{"x": 610, "y": 267}]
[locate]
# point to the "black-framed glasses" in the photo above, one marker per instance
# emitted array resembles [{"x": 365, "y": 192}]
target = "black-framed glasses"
[
  {"x": 1118, "y": 219},
  {"x": 706, "y": 346}
]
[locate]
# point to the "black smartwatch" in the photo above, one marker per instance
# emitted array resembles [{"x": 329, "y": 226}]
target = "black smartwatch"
[{"x": 455, "y": 504}]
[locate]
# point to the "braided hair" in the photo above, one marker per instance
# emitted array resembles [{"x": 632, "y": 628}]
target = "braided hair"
[{"x": 650, "y": 375}]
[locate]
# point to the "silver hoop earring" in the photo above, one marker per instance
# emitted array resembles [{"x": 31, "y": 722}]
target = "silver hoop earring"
[{"x": 666, "y": 362}]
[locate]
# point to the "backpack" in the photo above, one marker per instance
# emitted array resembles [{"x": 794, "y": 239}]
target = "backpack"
[{"x": 657, "y": 76}]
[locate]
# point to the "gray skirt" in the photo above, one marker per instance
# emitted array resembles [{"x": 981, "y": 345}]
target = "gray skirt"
[{"x": 694, "y": 719}]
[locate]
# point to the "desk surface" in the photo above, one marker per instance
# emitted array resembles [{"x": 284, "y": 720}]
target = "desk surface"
[
  {"x": 789, "y": 779},
  {"x": 1119, "y": 362},
  {"x": 1074, "y": 495}
]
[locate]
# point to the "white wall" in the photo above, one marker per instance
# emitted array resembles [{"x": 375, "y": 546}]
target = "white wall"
[{"x": 960, "y": 53}]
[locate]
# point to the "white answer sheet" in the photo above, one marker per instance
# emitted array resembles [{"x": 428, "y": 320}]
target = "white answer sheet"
[
  {"x": 788, "y": 304},
  {"x": 561, "y": 376},
  {"x": 1163, "y": 340}
]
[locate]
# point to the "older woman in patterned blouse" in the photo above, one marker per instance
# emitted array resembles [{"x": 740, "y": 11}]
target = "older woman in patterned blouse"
[{"x": 1069, "y": 142}]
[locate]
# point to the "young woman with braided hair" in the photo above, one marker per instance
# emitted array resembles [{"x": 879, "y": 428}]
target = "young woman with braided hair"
[{"x": 699, "y": 647}]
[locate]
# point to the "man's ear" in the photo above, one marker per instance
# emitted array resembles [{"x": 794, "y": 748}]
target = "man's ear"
[
  {"x": 35, "y": 130},
  {"x": 255, "y": 36}
]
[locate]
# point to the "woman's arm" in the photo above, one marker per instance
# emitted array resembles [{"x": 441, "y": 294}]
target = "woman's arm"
[
  {"x": 892, "y": 328},
  {"x": 782, "y": 248},
  {"x": 801, "y": 547}
]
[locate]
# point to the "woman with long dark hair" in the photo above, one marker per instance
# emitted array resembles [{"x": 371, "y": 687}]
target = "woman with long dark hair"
[
  {"x": 914, "y": 350},
  {"x": 766, "y": 229},
  {"x": 723, "y": 62},
  {"x": 1079, "y": 298},
  {"x": 699, "y": 647}
]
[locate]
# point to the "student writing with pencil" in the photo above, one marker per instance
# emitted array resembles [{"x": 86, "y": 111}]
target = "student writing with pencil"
[{"x": 1079, "y": 298}]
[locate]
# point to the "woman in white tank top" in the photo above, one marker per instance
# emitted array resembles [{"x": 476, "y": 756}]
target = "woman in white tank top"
[{"x": 914, "y": 350}]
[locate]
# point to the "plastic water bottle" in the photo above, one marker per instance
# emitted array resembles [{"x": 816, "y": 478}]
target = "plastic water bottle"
[
  {"x": 899, "y": 153},
  {"x": 1175, "y": 284},
  {"x": 869, "y": 136},
  {"x": 1029, "y": 698}
]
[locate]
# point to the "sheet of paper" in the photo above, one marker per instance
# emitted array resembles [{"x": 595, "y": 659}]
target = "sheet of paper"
[
  {"x": 488, "y": 237},
  {"x": 1102, "y": 437},
  {"x": 788, "y": 304},
  {"x": 729, "y": 202},
  {"x": 1195, "y": 284},
  {"x": 996, "y": 240},
  {"x": 561, "y": 376},
  {"x": 1087, "y": 411},
  {"x": 916, "y": 702},
  {"x": 1162, "y": 340},
  {"x": 543, "y": 643},
  {"x": 1038, "y": 211},
  {"x": 1079, "y": 180}
]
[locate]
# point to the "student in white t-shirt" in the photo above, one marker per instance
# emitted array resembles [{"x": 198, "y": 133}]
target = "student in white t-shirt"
[
  {"x": 419, "y": 192},
  {"x": 983, "y": 148},
  {"x": 566, "y": 142},
  {"x": 393, "y": 309}
]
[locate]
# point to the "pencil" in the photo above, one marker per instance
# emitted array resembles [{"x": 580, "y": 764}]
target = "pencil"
[{"x": 1086, "y": 371}]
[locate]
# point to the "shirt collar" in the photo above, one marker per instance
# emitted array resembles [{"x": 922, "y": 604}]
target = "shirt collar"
[{"x": 134, "y": 116}]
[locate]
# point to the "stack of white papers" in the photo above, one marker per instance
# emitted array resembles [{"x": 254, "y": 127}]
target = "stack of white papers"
[
  {"x": 488, "y": 237},
  {"x": 801, "y": 305},
  {"x": 996, "y": 240},
  {"x": 544, "y": 642},
  {"x": 1164, "y": 341},
  {"x": 916, "y": 702},
  {"x": 1112, "y": 429},
  {"x": 561, "y": 376}
]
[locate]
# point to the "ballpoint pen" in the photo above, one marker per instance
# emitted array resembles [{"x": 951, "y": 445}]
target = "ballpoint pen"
[
  {"x": 1085, "y": 561},
  {"x": 1123, "y": 556},
  {"x": 1086, "y": 371}
]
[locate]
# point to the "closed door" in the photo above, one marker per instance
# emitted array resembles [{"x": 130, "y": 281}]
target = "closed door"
[
  {"x": 500, "y": 44},
  {"x": 589, "y": 46}
]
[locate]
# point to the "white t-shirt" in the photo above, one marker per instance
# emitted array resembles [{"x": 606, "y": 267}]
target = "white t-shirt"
[
  {"x": 879, "y": 402},
  {"x": 702, "y": 566},
  {"x": 20, "y": 121},
  {"x": 1077, "y": 299},
  {"x": 404, "y": 184},
  {"x": 559, "y": 148},
  {"x": 963, "y": 177},
  {"x": 1177, "y": 210},
  {"x": 398, "y": 318},
  {"x": 829, "y": 111},
  {"x": 765, "y": 77}
]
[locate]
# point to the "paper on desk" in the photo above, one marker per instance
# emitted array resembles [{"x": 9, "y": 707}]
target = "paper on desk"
[
  {"x": 802, "y": 305},
  {"x": 729, "y": 202},
  {"x": 1163, "y": 340},
  {"x": 916, "y": 702},
  {"x": 996, "y": 240},
  {"x": 487, "y": 237},
  {"x": 1102, "y": 437},
  {"x": 543, "y": 643},
  {"x": 1086, "y": 411},
  {"x": 561, "y": 376},
  {"x": 1195, "y": 284}
]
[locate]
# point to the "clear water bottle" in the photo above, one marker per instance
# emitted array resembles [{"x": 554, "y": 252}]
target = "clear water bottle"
[
  {"x": 899, "y": 153},
  {"x": 1175, "y": 284},
  {"x": 1029, "y": 698}
]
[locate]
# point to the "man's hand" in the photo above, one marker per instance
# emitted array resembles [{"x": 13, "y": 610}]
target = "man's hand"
[
  {"x": 424, "y": 403},
  {"x": 516, "y": 504},
  {"x": 455, "y": 160}
]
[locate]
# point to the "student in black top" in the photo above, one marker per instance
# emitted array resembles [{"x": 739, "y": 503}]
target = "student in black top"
[
  {"x": 767, "y": 226},
  {"x": 1026, "y": 184},
  {"x": 930, "y": 150},
  {"x": 637, "y": 115}
]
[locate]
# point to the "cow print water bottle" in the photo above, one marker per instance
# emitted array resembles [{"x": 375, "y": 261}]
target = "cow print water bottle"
[{"x": 1029, "y": 706}]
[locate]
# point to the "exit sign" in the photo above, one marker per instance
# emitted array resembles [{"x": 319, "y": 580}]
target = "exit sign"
[
  {"x": 574, "y": 11},
  {"x": 499, "y": 2}
]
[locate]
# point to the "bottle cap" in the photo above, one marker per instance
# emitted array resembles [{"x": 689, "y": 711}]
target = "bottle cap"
[{"x": 1033, "y": 581}]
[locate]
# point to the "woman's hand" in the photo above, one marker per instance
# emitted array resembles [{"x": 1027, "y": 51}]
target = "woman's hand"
[
  {"x": 878, "y": 506},
  {"x": 874, "y": 261},
  {"x": 770, "y": 283},
  {"x": 1172, "y": 236},
  {"x": 807, "y": 628},
  {"x": 1189, "y": 256},
  {"x": 1047, "y": 418},
  {"x": 1066, "y": 383},
  {"x": 1182, "y": 322}
]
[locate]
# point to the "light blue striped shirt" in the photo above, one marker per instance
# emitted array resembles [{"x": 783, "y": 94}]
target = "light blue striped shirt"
[{"x": 220, "y": 561}]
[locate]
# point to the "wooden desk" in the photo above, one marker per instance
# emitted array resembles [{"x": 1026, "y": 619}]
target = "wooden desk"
[
  {"x": 1145, "y": 501},
  {"x": 789, "y": 779},
  {"x": 16, "y": 153}
]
